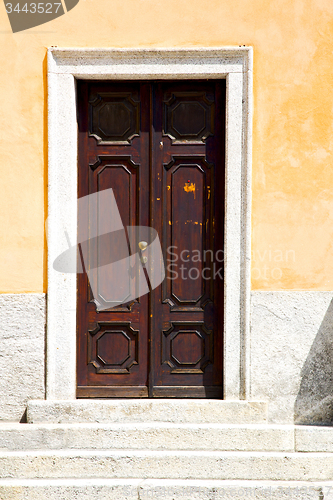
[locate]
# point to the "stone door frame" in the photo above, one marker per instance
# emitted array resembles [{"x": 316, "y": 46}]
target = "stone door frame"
[{"x": 65, "y": 65}]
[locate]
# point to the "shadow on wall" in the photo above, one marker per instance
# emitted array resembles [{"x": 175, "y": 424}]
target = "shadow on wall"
[{"x": 314, "y": 402}]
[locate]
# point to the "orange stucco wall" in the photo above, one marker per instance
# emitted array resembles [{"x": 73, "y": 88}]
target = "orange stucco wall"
[{"x": 292, "y": 131}]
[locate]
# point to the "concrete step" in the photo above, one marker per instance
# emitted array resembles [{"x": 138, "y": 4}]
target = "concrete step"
[
  {"x": 137, "y": 489},
  {"x": 147, "y": 464},
  {"x": 151, "y": 436},
  {"x": 148, "y": 410}
]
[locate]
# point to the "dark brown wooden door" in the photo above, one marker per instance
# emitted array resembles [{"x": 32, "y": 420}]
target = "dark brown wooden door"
[{"x": 160, "y": 147}]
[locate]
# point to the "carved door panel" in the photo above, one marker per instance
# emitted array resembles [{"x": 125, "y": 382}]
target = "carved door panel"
[
  {"x": 160, "y": 147},
  {"x": 113, "y": 153},
  {"x": 187, "y": 208}
]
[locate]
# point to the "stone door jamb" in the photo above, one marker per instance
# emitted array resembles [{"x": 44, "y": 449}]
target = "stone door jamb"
[{"x": 65, "y": 65}]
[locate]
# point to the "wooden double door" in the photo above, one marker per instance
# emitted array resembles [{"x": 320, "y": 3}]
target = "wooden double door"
[{"x": 160, "y": 146}]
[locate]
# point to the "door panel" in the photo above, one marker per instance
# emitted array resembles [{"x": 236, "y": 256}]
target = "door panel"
[
  {"x": 184, "y": 188},
  {"x": 113, "y": 153},
  {"x": 122, "y": 175},
  {"x": 160, "y": 147},
  {"x": 188, "y": 158}
]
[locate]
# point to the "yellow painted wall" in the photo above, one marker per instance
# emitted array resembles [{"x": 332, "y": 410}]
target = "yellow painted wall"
[{"x": 292, "y": 245}]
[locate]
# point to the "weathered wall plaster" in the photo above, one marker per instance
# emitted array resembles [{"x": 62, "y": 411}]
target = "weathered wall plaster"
[{"x": 292, "y": 136}]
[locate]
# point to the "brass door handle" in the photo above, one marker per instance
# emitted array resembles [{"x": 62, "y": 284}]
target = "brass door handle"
[{"x": 143, "y": 245}]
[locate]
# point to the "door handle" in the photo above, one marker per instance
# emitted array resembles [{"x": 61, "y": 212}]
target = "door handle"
[{"x": 143, "y": 245}]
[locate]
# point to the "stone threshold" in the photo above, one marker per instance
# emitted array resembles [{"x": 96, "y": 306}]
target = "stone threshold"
[{"x": 147, "y": 410}]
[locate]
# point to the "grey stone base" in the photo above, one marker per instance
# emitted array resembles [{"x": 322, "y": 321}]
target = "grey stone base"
[
  {"x": 22, "y": 352},
  {"x": 290, "y": 363},
  {"x": 292, "y": 355}
]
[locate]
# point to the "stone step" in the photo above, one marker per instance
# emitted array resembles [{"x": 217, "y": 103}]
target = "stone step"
[
  {"x": 313, "y": 438},
  {"x": 152, "y": 436},
  {"x": 148, "y": 410},
  {"x": 147, "y": 464},
  {"x": 159, "y": 489}
]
